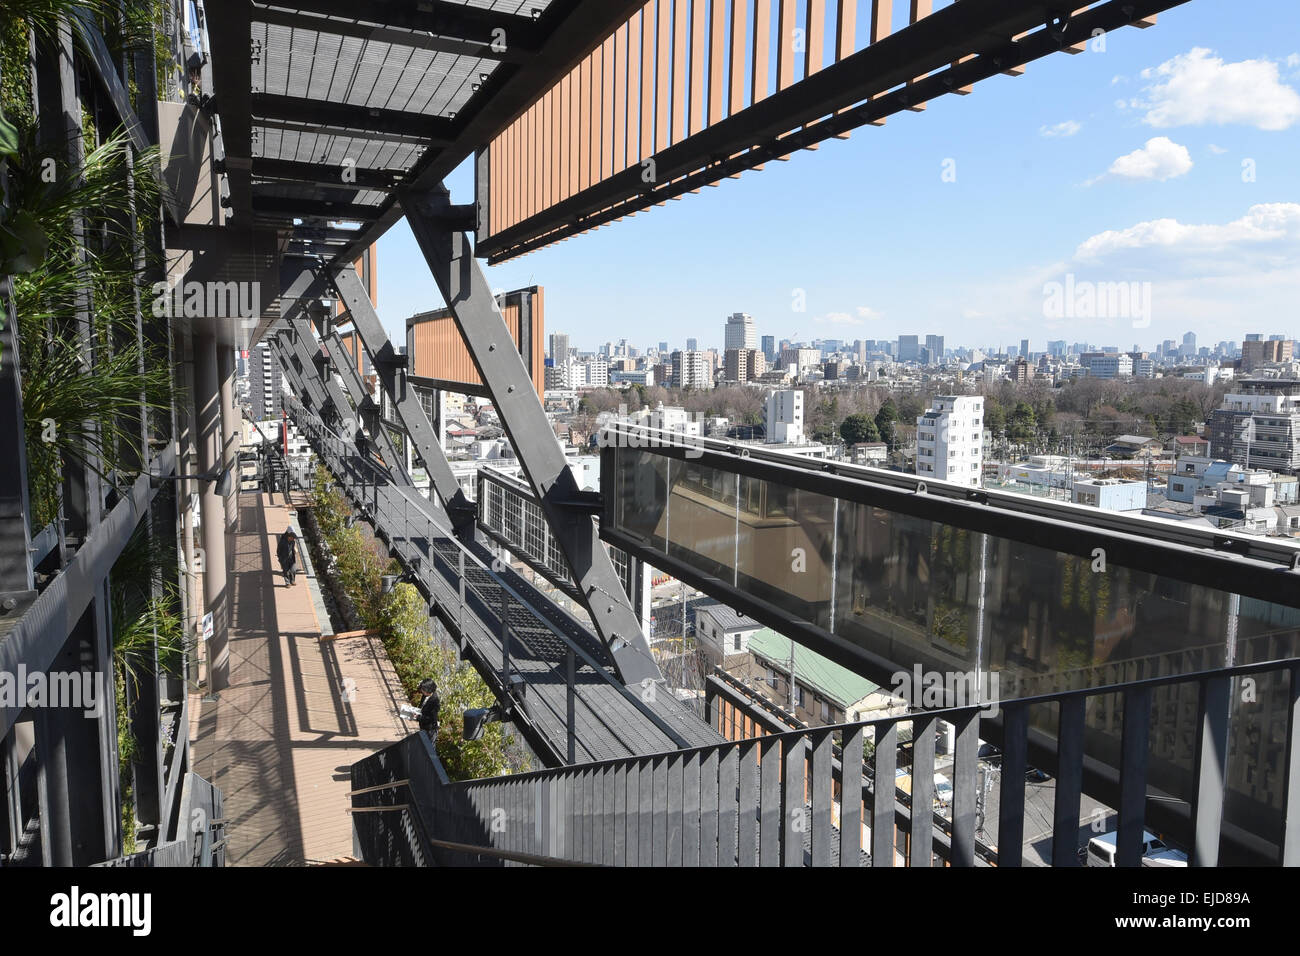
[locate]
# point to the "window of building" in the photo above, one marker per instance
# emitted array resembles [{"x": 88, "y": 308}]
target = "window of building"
[{"x": 736, "y": 643}]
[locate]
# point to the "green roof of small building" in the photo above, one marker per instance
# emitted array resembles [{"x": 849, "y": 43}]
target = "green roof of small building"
[{"x": 838, "y": 684}]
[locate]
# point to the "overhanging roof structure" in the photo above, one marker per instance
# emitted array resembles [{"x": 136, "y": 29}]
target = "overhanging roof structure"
[{"x": 332, "y": 111}]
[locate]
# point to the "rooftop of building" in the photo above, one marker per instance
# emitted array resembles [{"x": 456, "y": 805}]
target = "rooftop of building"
[{"x": 823, "y": 676}]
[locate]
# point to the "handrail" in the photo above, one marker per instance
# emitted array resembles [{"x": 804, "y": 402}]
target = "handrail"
[
  {"x": 946, "y": 714},
  {"x": 671, "y": 732}
]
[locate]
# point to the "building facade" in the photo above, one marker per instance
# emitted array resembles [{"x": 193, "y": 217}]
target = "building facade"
[{"x": 950, "y": 440}]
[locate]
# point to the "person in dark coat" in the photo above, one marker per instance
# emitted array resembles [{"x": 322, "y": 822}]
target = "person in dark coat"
[
  {"x": 287, "y": 552},
  {"x": 429, "y": 708}
]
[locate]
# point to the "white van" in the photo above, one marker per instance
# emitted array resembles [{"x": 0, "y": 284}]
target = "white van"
[{"x": 1101, "y": 851}]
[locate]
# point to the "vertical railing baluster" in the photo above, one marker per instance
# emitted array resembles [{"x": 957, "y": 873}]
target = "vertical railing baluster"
[
  {"x": 728, "y": 804},
  {"x": 921, "y": 845},
  {"x": 1069, "y": 781},
  {"x": 884, "y": 798},
  {"x": 851, "y": 797},
  {"x": 747, "y": 805},
  {"x": 1213, "y": 710},
  {"x": 676, "y": 806},
  {"x": 660, "y": 825},
  {"x": 691, "y": 812},
  {"x": 1133, "y": 776},
  {"x": 645, "y": 814},
  {"x": 770, "y": 809},
  {"x": 820, "y": 795},
  {"x": 794, "y": 811},
  {"x": 1011, "y": 797}
]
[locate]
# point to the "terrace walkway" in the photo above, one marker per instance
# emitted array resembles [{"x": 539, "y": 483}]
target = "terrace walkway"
[{"x": 299, "y": 711}]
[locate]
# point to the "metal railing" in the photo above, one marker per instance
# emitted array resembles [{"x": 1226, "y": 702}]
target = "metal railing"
[
  {"x": 781, "y": 799},
  {"x": 479, "y": 614}
]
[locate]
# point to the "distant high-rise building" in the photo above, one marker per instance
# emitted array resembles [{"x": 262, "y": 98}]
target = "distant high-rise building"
[
  {"x": 1258, "y": 425},
  {"x": 559, "y": 348},
  {"x": 264, "y": 377},
  {"x": 1024, "y": 349},
  {"x": 950, "y": 440},
  {"x": 740, "y": 333},
  {"x": 909, "y": 348},
  {"x": 692, "y": 345},
  {"x": 934, "y": 346},
  {"x": 785, "y": 416},
  {"x": 769, "y": 348},
  {"x": 1189, "y": 346},
  {"x": 743, "y": 365},
  {"x": 1056, "y": 348},
  {"x": 663, "y": 348},
  {"x": 1255, "y": 352},
  {"x": 691, "y": 369}
]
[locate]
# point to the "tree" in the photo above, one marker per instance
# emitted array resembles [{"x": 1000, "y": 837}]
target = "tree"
[
  {"x": 1023, "y": 425},
  {"x": 859, "y": 428},
  {"x": 887, "y": 423}
]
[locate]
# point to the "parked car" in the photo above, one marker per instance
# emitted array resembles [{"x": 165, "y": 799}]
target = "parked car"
[
  {"x": 1155, "y": 852},
  {"x": 942, "y": 786}
]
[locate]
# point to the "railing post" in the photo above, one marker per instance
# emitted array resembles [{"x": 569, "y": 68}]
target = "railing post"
[
  {"x": 570, "y": 676},
  {"x": 460, "y": 613},
  {"x": 505, "y": 642},
  {"x": 1215, "y": 705}
]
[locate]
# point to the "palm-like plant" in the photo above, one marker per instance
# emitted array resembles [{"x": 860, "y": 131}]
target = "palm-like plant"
[{"x": 83, "y": 384}]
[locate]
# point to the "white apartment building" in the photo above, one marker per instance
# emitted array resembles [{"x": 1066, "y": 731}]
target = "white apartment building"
[
  {"x": 691, "y": 369},
  {"x": 950, "y": 440},
  {"x": 785, "y": 417}
]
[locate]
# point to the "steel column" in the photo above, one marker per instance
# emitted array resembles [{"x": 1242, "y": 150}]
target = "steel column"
[
  {"x": 231, "y": 428},
  {"x": 468, "y": 295},
  {"x": 393, "y": 373},
  {"x": 207, "y": 401},
  {"x": 361, "y": 399}
]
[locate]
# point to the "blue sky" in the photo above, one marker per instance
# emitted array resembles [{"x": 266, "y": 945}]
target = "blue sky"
[{"x": 1171, "y": 157}]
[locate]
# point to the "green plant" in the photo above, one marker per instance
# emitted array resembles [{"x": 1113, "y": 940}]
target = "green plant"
[
  {"x": 401, "y": 619},
  {"x": 86, "y": 375}
]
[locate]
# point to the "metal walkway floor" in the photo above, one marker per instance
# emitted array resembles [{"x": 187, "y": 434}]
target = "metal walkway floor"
[
  {"x": 299, "y": 711},
  {"x": 610, "y": 720}
]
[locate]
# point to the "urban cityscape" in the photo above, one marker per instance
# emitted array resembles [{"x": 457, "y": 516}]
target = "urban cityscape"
[{"x": 333, "y": 537}]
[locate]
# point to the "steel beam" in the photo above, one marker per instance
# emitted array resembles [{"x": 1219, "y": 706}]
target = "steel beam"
[
  {"x": 417, "y": 39},
  {"x": 365, "y": 406},
  {"x": 438, "y": 17},
  {"x": 394, "y": 376},
  {"x": 433, "y": 130},
  {"x": 319, "y": 174},
  {"x": 469, "y": 297}
]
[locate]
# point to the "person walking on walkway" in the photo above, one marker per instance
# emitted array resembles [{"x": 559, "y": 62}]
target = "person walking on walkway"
[
  {"x": 287, "y": 552},
  {"x": 429, "y": 708}
]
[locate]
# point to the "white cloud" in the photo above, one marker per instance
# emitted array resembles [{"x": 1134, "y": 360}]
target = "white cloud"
[
  {"x": 1293, "y": 60},
  {"x": 1062, "y": 129},
  {"x": 1198, "y": 88},
  {"x": 1275, "y": 224},
  {"x": 866, "y": 312},
  {"x": 1160, "y": 159},
  {"x": 1117, "y": 78},
  {"x": 1216, "y": 149}
]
